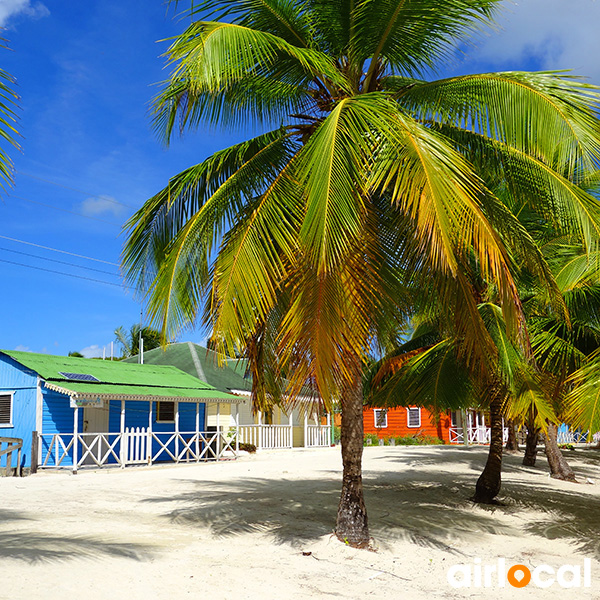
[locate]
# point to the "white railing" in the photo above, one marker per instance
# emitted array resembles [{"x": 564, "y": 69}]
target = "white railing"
[
  {"x": 272, "y": 437},
  {"x": 576, "y": 437},
  {"x": 268, "y": 437},
  {"x": 475, "y": 435},
  {"x": 134, "y": 446},
  {"x": 317, "y": 436}
]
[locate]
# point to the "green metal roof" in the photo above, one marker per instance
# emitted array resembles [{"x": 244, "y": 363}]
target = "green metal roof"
[
  {"x": 200, "y": 362},
  {"x": 117, "y": 379}
]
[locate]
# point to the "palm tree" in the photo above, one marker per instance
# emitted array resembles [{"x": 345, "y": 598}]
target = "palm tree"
[
  {"x": 130, "y": 341},
  {"x": 8, "y": 132},
  {"x": 294, "y": 244}
]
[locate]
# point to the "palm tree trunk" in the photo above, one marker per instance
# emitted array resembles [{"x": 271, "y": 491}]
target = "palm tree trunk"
[
  {"x": 559, "y": 467},
  {"x": 533, "y": 434},
  {"x": 489, "y": 482},
  {"x": 352, "y": 523},
  {"x": 512, "y": 444}
]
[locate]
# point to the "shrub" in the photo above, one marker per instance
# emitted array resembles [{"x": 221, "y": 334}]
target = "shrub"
[
  {"x": 566, "y": 446},
  {"x": 248, "y": 448},
  {"x": 337, "y": 434},
  {"x": 374, "y": 439}
]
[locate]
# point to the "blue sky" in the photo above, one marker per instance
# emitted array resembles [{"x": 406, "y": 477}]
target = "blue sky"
[{"x": 86, "y": 72}]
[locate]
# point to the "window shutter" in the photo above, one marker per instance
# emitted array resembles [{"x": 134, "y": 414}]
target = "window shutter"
[
  {"x": 414, "y": 417},
  {"x": 166, "y": 411},
  {"x": 5, "y": 406}
]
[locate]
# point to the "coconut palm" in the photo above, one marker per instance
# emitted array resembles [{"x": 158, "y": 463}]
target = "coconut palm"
[
  {"x": 8, "y": 132},
  {"x": 130, "y": 340},
  {"x": 295, "y": 243}
]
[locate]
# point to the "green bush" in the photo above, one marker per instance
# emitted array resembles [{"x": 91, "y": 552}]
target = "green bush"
[
  {"x": 374, "y": 439},
  {"x": 407, "y": 440},
  {"x": 337, "y": 434},
  {"x": 566, "y": 446}
]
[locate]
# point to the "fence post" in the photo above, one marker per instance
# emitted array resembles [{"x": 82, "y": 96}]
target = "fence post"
[{"x": 35, "y": 445}]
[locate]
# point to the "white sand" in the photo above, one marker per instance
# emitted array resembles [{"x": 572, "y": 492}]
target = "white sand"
[{"x": 239, "y": 529}]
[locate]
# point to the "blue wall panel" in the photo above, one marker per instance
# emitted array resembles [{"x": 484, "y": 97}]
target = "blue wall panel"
[{"x": 23, "y": 382}]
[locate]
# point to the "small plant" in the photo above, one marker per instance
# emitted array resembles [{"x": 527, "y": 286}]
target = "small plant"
[
  {"x": 251, "y": 448},
  {"x": 374, "y": 439},
  {"x": 566, "y": 446},
  {"x": 337, "y": 434}
]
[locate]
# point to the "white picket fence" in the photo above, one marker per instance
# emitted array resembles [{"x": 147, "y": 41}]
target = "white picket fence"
[
  {"x": 317, "y": 436},
  {"x": 135, "y": 446},
  {"x": 475, "y": 435},
  {"x": 274, "y": 437}
]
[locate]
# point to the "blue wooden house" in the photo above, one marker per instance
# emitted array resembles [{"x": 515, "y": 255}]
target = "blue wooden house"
[{"x": 76, "y": 412}]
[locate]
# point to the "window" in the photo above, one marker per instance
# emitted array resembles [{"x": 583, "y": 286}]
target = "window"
[
  {"x": 6, "y": 409},
  {"x": 380, "y": 417},
  {"x": 413, "y": 418},
  {"x": 165, "y": 412}
]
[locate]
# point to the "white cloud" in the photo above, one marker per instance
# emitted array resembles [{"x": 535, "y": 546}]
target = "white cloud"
[
  {"x": 93, "y": 351},
  {"x": 22, "y": 348},
  {"x": 11, "y": 8},
  {"x": 99, "y": 205},
  {"x": 554, "y": 34}
]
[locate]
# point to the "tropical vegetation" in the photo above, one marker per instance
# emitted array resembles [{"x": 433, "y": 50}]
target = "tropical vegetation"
[
  {"x": 304, "y": 244},
  {"x": 8, "y": 131}
]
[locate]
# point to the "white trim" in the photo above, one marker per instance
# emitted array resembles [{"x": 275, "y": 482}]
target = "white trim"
[
  {"x": 376, "y": 419},
  {"x": 11, "y": 424},
  {"x": 39, "y": 406},
  {"x": 142, "y": 397},
  {"x": 408, "y": 409}
]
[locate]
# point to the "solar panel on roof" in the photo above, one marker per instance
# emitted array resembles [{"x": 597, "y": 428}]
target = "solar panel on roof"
[{"x": 78, "y": 376}]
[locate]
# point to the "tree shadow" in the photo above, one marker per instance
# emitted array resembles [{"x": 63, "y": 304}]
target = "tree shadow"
[
  {"x": 428, "y": 507},
  {"x": 301, "y": 511},
  {"x": 38, "y": 548}
]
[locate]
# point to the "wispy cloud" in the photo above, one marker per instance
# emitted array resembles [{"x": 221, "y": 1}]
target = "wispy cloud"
[
  {"x": 93, "y": 351},
  {"x": 22, "y": 348},
  {"x": 12, "y": 8},
  {"x": 553, "y": 34},
  {"x": 101, "y": 205}
]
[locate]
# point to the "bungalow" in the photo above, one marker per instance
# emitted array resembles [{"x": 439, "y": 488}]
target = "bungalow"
[
  {"x": 74, "y": 412},
  {"x": 450, "y": 426},
  {"x": 277, "y": 428}
]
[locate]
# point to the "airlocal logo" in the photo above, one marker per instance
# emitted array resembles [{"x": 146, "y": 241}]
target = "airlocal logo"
[{"x": 518, "y": 576}]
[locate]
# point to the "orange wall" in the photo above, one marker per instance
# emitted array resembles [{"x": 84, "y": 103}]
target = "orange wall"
[{"x": 397, "y": 424}]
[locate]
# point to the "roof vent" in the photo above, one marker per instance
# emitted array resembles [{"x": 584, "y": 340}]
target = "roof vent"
[{"x": 78, "y": 376}]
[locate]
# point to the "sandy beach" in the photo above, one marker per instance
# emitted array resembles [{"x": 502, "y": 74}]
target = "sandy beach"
[{"x": 261, "y": 527}]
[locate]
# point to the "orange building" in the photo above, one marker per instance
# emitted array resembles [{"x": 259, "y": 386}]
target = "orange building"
[{"x": 406, "y": 421}]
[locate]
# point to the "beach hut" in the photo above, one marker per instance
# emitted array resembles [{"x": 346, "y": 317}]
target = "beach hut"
[
  {"x": 280, "y": 427},
  {"x": 75, "y": 412},
  {"x": 406, "y": 421}
]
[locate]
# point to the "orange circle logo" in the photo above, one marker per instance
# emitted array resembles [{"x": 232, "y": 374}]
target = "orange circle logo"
[{"x": 514, "y": 580}]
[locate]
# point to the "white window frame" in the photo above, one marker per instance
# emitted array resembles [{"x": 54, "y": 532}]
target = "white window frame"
[
  {"x": 375, "y": 417},
  {"x": 408, "y": 409},
  {"x": 11, "y": 424},
  {"x": 158, "y": 412}
]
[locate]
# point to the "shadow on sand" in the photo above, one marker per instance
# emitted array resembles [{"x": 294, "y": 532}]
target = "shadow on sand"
[
  {"x": 37, "y": 548},
  {"x": 429, "y": 507}
]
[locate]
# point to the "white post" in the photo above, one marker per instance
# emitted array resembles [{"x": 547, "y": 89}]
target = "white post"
[
  {"x": 197, "y": 431},
  {"x": 237, "y": 427},
  {"x": 123, "y": 440},
  {"x": 260, "y": 435},
  {"x": 176, "y": 431},
  {"x": 329, "y": 428},
  {"x": 291, "y": 422},
  {"x": 150, "y": 418},
  {"x": 218, "y": 430},
  {"x": 305, "y": 429},
  {"x": 75, "y": 434}
]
